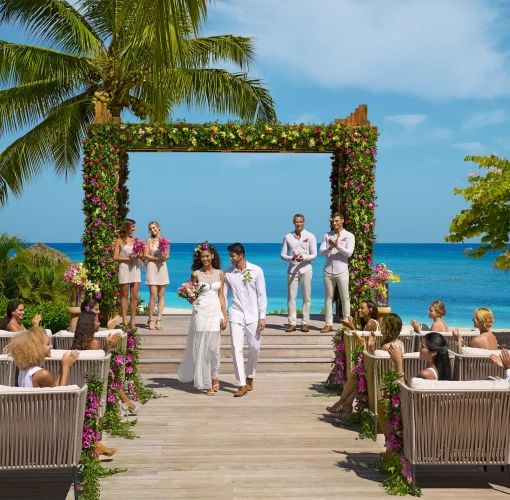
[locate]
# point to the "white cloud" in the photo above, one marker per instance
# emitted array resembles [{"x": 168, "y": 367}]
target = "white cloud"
[
  {"x": 435, "y": 49},
  {"x": 408, "y": 121},
  {"x": 439, "y": 133},
  {"x": 479, "y": 120},
  {"x": 470, "y": 147}
]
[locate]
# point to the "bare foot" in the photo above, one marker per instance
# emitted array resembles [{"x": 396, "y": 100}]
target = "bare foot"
[{"x": 210, "y": 392}]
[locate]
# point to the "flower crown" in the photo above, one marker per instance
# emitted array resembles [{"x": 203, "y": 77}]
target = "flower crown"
[{"x": 203, "y": 246}]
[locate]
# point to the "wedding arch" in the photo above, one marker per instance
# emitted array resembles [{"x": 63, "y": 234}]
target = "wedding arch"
[{"x": 351, "y": 143}]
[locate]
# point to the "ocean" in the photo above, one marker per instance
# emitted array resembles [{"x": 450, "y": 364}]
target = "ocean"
[{"x": 435, "y": 271}]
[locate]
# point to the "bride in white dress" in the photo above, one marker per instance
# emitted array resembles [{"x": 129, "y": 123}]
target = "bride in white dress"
[{"x": 201, "y": 361}]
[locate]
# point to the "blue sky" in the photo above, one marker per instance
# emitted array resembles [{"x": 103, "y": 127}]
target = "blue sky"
[{"x": 435, "y": 76}]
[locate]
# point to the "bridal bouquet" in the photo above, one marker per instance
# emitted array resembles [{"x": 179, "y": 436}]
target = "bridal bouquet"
[
  {"x": 190, "y": 290},
  {"x": 138, "y": 246},
  {"x": 163, "y": 246},
  {"x": 79, "y": 284}
]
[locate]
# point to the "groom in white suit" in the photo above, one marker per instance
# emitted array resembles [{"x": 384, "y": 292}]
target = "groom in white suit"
[{"x": 247, "y": 313}]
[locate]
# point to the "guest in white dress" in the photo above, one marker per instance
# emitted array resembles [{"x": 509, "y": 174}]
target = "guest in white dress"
[
  {"x": 157, "y": 273},
  {"x": 129, "y": 270},
  {"x": 436, "y": 312},
  {"x": 201, "y": 361}
]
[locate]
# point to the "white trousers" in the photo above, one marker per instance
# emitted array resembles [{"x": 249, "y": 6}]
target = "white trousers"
[
  {"x": 305, "y": 280},
  {"x": 237, "y": 341},
  {"x": 342, "y": 281}
]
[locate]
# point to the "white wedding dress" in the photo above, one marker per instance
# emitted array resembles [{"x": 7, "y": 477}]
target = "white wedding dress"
[{"x": 201, "y": 360}]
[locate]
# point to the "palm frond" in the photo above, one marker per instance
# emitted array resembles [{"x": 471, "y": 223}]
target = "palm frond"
[
  {"x": 57, "y": 23},
  {"x": 26, "y": 63},
  {"x": 206, "y": 51},
  {"x": 170, "y": 21},
  {"x": 28, "y": 104},
  {"x": 56, "y": 139},
  {"x": 215, "y": 90}
]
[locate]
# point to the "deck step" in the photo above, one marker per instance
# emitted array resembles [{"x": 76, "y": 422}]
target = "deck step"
[
  {"x": 265, "y": 365},
  {"x": 267, "y": 351}
]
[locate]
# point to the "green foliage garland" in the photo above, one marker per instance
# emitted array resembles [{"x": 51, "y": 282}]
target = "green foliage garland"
[
  {"x": 361, "y": 414},
  {"x": 393, "y": 462},
  {"x": 112, "y": 419},
  {"x": 134, "y": 382},
  {"x": 90, "y": 468},
  {"x": 489, "y": 213},
  {"x": 339, "y": 371},
  {"x": 105, "y": 174}
]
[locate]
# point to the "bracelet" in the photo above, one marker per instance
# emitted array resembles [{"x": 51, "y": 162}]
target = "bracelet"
[{"x": 400, "y": 374}]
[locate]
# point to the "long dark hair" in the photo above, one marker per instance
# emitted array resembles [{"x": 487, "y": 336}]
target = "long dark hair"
[
  {"x": 196, "y": 263},
  {"x": 392, "y": 327},
  {"x": 11, "y": 307},
  {"x": 88, "y": 304},
  {"x": 85, "y": 329},
  {"x": 374, "y": 313},
  {"x": 435, "y": 342}
]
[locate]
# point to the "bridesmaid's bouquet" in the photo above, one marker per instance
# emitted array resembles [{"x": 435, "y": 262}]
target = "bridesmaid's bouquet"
[
  {"x": 138, "y": 246},
  {"x": 163, "y": 246},
  {"x": 190, "y": 290}
]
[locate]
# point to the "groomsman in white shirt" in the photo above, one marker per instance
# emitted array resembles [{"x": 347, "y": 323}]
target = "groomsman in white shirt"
[
  {"x": 299, "y": 249},
  {"x": 247, "y": 313},
  {"x": 337, "y": 246}
]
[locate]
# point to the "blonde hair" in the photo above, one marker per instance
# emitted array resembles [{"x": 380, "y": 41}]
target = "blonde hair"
[
  {"x": 27, "y": 348},
  {"x": 155, "y": 223},
  {"x": 484, "y": 316},
  {"x": 439, "y": 307}
]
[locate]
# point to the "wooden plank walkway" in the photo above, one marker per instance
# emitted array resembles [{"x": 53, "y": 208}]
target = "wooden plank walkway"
[{"x": 273, "y": 443}]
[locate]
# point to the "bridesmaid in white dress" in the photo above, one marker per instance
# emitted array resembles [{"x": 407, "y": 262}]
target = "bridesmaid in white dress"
[
  {"x": 201, "y": 361},
  {"x": 157, "y": 273},
  {"x": 130, "y": 274}
]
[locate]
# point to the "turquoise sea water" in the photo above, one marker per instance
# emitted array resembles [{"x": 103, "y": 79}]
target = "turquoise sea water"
[{"x": 428, "y": 272}]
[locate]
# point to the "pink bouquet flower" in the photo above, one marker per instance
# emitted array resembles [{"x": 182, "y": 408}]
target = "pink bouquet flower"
[
  {"x": 164, "y": 246},
  {"x": 138, "y": 246},
  {"x": 190, "y": 290}
]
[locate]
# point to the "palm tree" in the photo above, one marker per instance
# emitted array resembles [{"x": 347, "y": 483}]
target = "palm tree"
[{"x": 143, "y": 56}]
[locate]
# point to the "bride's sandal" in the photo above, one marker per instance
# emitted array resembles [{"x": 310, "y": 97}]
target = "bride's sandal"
[
  {"x": 150, "y": 324},
  {"x": 216, "y": 384},
  {"x": 210, "y": 392},
  {"x": 158, "y": 325},
  {"x": 337, "y": 410}
]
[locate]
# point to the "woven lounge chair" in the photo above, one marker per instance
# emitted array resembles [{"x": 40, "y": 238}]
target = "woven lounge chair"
[
  {"x": 89, "y": 361},
  {"x": 467, "y": 335},
  {"x": 7, "y": 370},
  {"x": 475, "y": 364},
  {"x": 24, "y": 413},
  {"x": 377, "y": 365},
  {"x": 434, "y": 418},
  {"x": 64, "y": 339},
  {"x": 407, "y": 338}
]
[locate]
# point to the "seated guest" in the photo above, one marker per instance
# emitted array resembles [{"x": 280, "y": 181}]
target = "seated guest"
[
  {"x": 390, "y": 328},
  {"x": 368, "y": 315},
  {"x": 482, "y": 320},
  {"x": 29, "y": 350},
  {"x": 503, "y": 360},
  {"x": 11, "y": 322},
  {"x": 90, "y": 304},
  {"x": 84, "y": 340},
  {"x": 436, "y": 311},
  {"x": 434, "y": 350}
]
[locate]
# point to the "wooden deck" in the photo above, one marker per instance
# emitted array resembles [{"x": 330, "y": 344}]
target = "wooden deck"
[{"x": 273, "y": 443}]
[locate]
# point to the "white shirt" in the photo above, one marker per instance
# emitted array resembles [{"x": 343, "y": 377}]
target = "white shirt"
[
  {"x": 249, "y": 299},
  {"x": 508, "y": 374},
  {"x": 305, "y": 245},
  {"x": 337, "y": 258}
]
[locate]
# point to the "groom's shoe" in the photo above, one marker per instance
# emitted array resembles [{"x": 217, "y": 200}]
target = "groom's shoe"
[
  {"x": 241, "y": 391},
  {"x": 291, "y": 328},
  {"x": 327, "y": 329},
  {"x": 304, "y": 328},
  {"x": 249, "y": 384}
]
